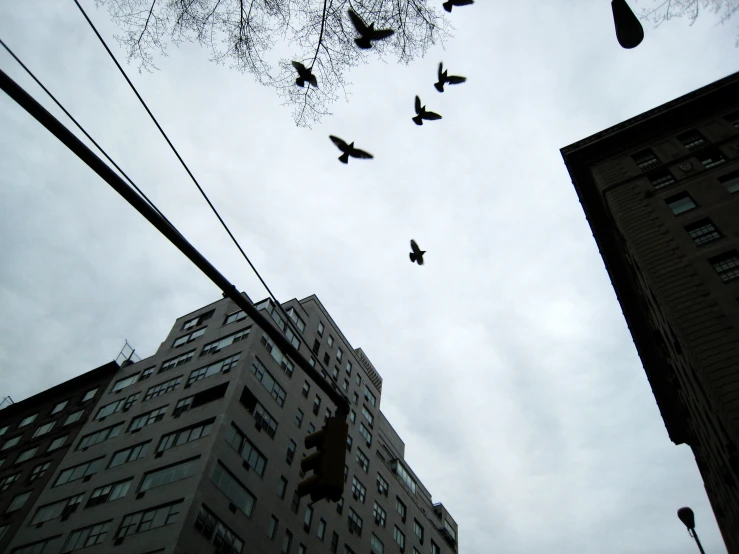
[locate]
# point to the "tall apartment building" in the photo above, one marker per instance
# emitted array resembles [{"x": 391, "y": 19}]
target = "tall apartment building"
[
  {"x": 197, "y": 449},
  {"x": 35, "y": 436},
  {"x": 661, "y": 194}
]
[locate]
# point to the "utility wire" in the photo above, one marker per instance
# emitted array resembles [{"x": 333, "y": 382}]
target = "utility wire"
[
  {"x": 288, "y": 320},
  {"x": 69, "y": 115}
]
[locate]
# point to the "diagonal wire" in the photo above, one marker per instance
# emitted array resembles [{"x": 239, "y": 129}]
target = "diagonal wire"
[{"x": 69, "y": 115}]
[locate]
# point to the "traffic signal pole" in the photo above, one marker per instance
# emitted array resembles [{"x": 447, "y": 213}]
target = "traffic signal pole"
[{"x": 64, "y": 135}]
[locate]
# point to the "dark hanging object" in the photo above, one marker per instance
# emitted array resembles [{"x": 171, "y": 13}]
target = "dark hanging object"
[{"x": 629, "y": 31}]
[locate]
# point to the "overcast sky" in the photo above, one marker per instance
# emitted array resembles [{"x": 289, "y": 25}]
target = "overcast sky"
[{"x": 508, "y": 368}]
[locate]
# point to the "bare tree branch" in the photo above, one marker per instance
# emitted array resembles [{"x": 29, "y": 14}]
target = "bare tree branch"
[
  {"x": 670, "y": 9},
  {"x": 244, "y": 35}
]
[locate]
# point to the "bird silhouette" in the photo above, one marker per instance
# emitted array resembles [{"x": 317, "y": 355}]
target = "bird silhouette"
[
  {"x": 417, "y": 254},
  {"x": 369, "y": 33},
  {"x": 444, "y": 78},
  {"x": 349, "y": 150},
  {"x": 449, "y": 3},
  {"x": 422, "y": 113},
  {"x": 304, "y": 75}
]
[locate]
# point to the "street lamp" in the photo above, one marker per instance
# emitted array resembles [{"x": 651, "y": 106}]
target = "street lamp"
[
  {"x": 629, "y": 31},
  {"x": 688, "y": 518}
]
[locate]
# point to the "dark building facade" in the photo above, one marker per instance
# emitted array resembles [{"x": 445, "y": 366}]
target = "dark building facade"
[
  {"x": 197, "y": 450},
  {"x": 661, "y": 194},
  {"x": 35, "y": 435}
]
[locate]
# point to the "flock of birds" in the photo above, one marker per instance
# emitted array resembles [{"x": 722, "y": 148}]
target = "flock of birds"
[{"x": 367, "y": 35}]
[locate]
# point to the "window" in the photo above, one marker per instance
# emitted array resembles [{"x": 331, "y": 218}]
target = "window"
[
  {"x": 712, "y": 158},
  {"x": 147, "y": 373},
  {"x": 281, "y": 487},
  {"x": 162, "y": 388},
  {"x": 435, "y": 548},
  {"x": 348, "y": 443},
  {"x": 18, "y": 501},
  {"x": 178, "y": 361},
  {"x": 188, "y": 338},
  {"x": 405, "y": 475},
  {"x": 130, "y": 454},
  {"x": 290, "y": 452},
  {"x": 7, "y": 481},
  {"x": 703, "y": 231},
  {"x": 147, "y": 418},
  {"x": 680, "y": 203},
  {"x": 321, "y": 528},
  {"x": 295, "y": 504},
  {"x": 221, "y": 366},
  {"x": 57, "y": 443},
  {"x": 4, "y": 429},
  {"x": 379, "y": 514},
  {"x": 234, "y": 317},
  {"x": 170, "y": 474},
  {"x": 287, "y": 542},
  {"x": 726, "y": 265},
  {"x": 299, "y": 323},
  {"x": 346, "y": 472},
  {"x": 348, "y": 550},
  {"x": 39, "y": 471},
  {"x": 335, "y": 373},
  {"x": 692, "y": 140},
  {"x": 365, "y": 433},
  {"x": 153, "y": 518},
  {"x": 355, "y": 522},
  {"x": 362, "y": 460},
  {"x": 376, "y": 545},
  {"x": 89, "y": 395},
  {"x": 368, "y": 415},
  {"x": 43, "y": 429},
  {"x": 203, "y": 397},
  {"x": 400, "y": 507},
  {"x": 320, "y": 328},
  {"x": 87, "y": 536},
  {"x": 26, "y": 455},
  {"x": 197, "y": 321},
  {"x": 114, "y": 407},
  {"x": 349, "y": 368},
  {"x": 59, "y": 407},
  {"x": 3, "y": 529},
  {"x": 355, "y": 398},
  {"x": 334, "y": 542},
  {"x": 358, "y": 379},
  {"x": 225, "y": 540},
  {"x": 399, "y": 538},
  {"x": 57, "y": 509},
  {"x": 268, "y": 382},
  {"x": 358, "y": 490},
  {"x": 369, "y": 397},
  {"x": 308, "y": 519},
  {"x": 661, "y": 179},
  {"x": 330, "y": 340},
  {"x": 301, "y": 548},
  {"x": 316, "y": 404},
  {"x": 108, "y": 493},
  {"x": 299, "y": 418},
  {"x": 27, "y": 420},
  {"x": 121, "y": 384},
  {"x": 233, "y": 489},
  {"x": 353, "y": 415},
  {"x": 252, "y": 457},
  {"x": 340, "y": 503},
  {"x": 99, "y": 436},
  {"x": 312, "y": 361},
  {"x": 46, "y": 546},
  {"x": 450, "y": 529},
  {"x": 218, "y": 345},
  {"x": 339, "y": 354},
  {"x": 731, "y": 182},
  {"x": 79, "y": 471},
  {"x": 418, "y": 530},
  {"x": 272, "y": 529},
  {"x": 646, "y": 160},
  {"x": 306, "y": 389},
  {"x": 277, "y": 355},
  {"x": 316, "y": 346},
  {"x": 346, "y": 385},
  {"x": 326, "y": 358},
  {"x": 73, "y": 418}
]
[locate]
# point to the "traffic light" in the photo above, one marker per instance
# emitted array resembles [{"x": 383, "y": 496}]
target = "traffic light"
[{"x": 327, "y": 462}]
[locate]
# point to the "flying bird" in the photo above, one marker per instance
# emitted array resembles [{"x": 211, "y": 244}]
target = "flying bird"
[
  {"x": 422, "y": 114},
  {"x": 449, "y": 3},
  {"x": 444, "y": 78},
  {"x": 368, "y": 33},
  {"x": 349, "y": 150},
  {"x": 417, "y": 254},
  {"x": 304, "y": 75}
]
